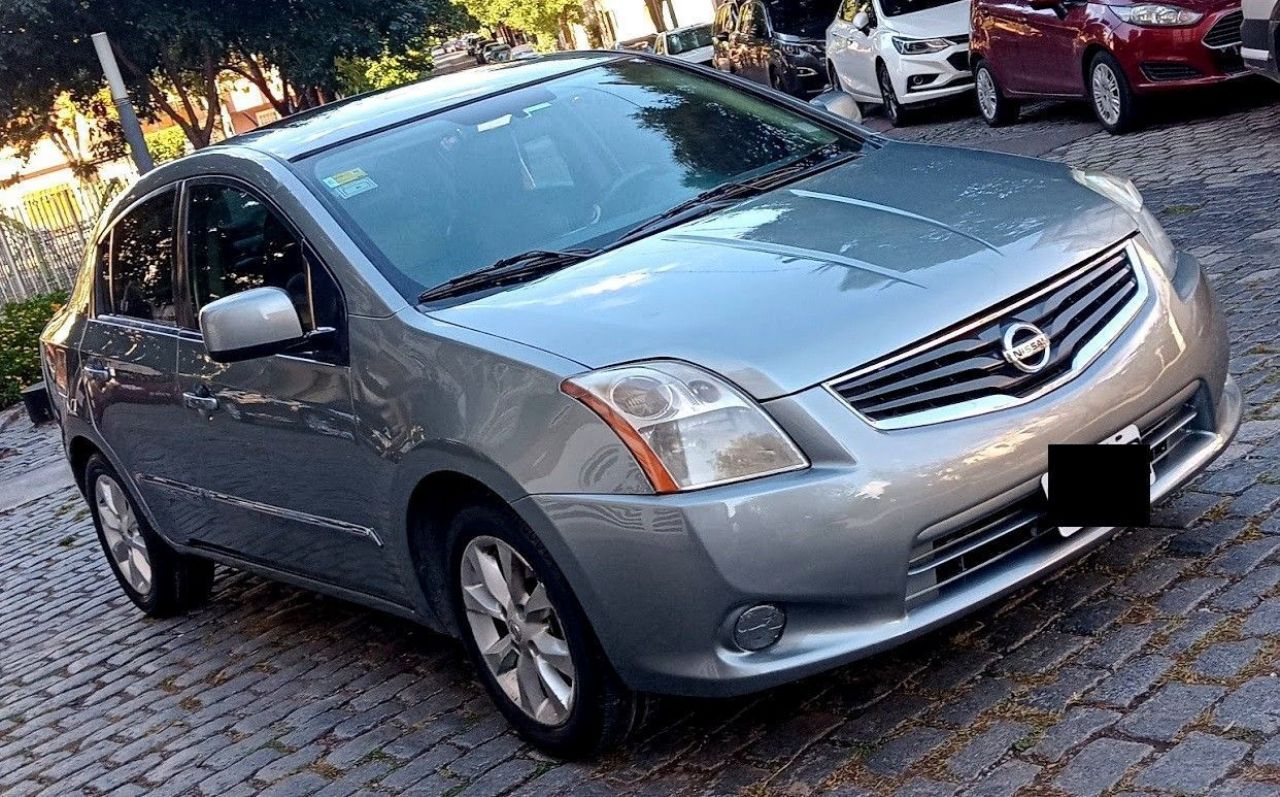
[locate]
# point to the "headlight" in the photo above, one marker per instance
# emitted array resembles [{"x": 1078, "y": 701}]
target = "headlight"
[
  {"x": 1155, "y": 15},
  {"x": 1124, "y": 193},
  {"x": 919, "y": 46},
  {"x": 814, "y": 50},
  {"x": 686, "y": 427}
]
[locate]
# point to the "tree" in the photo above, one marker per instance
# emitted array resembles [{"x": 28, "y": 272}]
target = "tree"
[
  {"x": 549, "y": 18},
  {"x": 173, "y": 52}
]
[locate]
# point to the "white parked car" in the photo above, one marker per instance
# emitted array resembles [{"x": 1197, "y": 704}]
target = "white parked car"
[
  {"x": 901, "y": 53},
  {"x": 691, "y": 43}
]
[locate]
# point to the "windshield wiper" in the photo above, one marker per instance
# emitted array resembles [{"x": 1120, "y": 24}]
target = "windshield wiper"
[
  {"x": 830, "y": 155},
  {"x": 522, "y": 266}
]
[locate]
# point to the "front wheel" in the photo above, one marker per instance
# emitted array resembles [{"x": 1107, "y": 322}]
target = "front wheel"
[
  {"x": 1113, "y": 100},
  {"x": 897, "y": 114},
  {"x": 529, "y": 640},
  {"x": 996, "y": 109}
]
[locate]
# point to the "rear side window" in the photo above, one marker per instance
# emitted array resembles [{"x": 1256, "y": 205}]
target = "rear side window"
[
  {"x": 142, "y": 261},
  {"x": 236, "y": 242}
]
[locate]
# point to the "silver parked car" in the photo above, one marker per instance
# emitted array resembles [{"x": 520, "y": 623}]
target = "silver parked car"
[{"x": 637, "y": 377}]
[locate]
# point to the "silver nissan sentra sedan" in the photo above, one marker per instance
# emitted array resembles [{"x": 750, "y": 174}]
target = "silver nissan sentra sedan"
[{"x": 636, "y": 377}]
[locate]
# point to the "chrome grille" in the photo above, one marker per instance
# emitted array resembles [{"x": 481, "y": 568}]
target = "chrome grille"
[
  {"x": 947, "y": 560},
  {"x": 968, "y": 366},
  {"x": 1225, "y": 32}
]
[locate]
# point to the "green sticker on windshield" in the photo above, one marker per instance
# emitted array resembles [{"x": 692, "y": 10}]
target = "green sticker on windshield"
[{"x": 350, "y": 183}]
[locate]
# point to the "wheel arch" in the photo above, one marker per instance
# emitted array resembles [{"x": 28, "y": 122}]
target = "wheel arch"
[
  {"x": 1090, "y": 52},
  {"x": 79, "y": 450}
]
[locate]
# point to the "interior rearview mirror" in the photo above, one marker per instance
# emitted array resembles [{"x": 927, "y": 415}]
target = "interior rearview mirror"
[
  {"x": 861, "y": 21},
  {"x": 254, "y": 323},
  {"x": 839, "y": 103}
]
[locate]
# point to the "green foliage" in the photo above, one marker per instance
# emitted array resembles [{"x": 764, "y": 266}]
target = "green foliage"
[
  {"x": 166, "y": 144},
  {"x": 20, "y": 326},
  {"x": 358, "y": 75},
  {"x": 542, "y": 17}
]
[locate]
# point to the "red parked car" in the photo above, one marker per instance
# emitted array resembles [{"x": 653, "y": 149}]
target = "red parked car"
[{"x": 1111, "y": 52}]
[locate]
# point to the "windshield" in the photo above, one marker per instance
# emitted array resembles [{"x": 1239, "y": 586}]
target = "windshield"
[
  {"x": 685, "y": 40},
  {"x": 895, "y": 8},
  {"x": 574, "y": 162},
  {"x": 807, "y": 18}
]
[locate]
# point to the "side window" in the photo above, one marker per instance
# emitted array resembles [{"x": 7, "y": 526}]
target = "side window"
[
  {"x": 235, "y": 242},
  {"x": 141, "y": 284}
]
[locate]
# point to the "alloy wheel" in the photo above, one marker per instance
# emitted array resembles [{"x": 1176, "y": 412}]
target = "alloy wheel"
[
  {"x": 517, "y": 630},
  {"x": 891, "y": 106},
  {"x": 1106, "y": 94},
  {"x": 987, "y": 99},
  {"x": 123, "y": 533}
]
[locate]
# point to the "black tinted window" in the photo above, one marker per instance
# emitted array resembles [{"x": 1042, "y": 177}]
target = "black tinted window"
[
  {"x": 142, "y": 261},
  {"x": 236, "y": 242},
  {"x": 808, "y": 18}
]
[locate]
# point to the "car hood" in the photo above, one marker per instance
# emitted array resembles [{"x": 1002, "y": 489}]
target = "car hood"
[
  {"x": 807, "y": 281},
  {"x": 951, "y": 19}
]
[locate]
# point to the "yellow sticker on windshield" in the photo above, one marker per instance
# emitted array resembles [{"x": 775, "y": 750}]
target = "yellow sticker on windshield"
[{"x": 350, "y": 183}]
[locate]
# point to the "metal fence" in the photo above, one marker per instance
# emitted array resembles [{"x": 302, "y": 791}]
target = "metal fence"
[{"x": 43, "y": 238}]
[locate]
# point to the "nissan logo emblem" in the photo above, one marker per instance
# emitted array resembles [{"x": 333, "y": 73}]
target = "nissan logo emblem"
[{"x": 1026, "y": 347}]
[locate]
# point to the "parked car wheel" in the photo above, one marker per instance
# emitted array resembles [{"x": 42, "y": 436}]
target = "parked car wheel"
[
  {"x": 529, "y": 641},
  {"x": 897, "y": 114},
  {"x": 996, "y": 109},
  {"x": 159, "y": 580},
  {"x": 1114, "y": 102}
]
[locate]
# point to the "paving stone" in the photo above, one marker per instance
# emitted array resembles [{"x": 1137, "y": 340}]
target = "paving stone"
[
  {"x": 1006, "y": 780},
  {"x": 1253, "y": 706},
  {"x": 1227, "y": 659},
  {"x": 1268, "y": 755},
  {"x": 1194, "y": 765},
  {"x": 1163, "y": 715},
  {"x": 881, "y": 719},
  {"x": 1187, "y": 595},
  {"x": 1244, "y": 788},
  {"x": 1264, "y": 620},
  {"x": 898, "y": 754},
  {"x": 967, "y": 707},
  {"x": 1100, "y": 766},
  {"x": 1079, "y": 725},
  {"x": 1130, "y": 682},
  {"x": 924, "y": 787},
  {"x": 986, "y": 749},
  {"x": 1072, "y": 682},
  {"x": 1249, "y": 590},
  {"x": 1041, "y": 654}
]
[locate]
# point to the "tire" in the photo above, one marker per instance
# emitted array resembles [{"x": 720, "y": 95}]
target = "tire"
[
  {"x": 159, "y": 580},
  {"x": 898, "y": 115},
  {"x": 994, "y": 107},
  {"x": 1110, "y": 94},
  {"x": 600, "y": 712}
]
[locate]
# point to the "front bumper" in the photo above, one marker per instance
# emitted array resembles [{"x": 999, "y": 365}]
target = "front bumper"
[
  {"x": 936, "y": 75},
  {"x": 663, "y": 577},
  {"x": 1163, "y": 59},
  {"x": 1261, "y": 39}
]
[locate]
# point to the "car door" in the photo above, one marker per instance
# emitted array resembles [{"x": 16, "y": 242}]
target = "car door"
[
  {"x": 1050, "y": 49},
  {"x": 1006, "y": 28},
  {"x": 273, "y": 471},
  {"x": 129, "y": 350},
  {"x": 851, "y": 49}
]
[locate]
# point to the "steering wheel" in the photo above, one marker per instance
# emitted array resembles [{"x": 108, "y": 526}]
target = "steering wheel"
[{"x": 624, "y": 184}]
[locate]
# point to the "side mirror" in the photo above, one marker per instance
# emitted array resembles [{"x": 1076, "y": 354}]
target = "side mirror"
[
  {"x": 839, "y": 103},
  {"x": 255, "y": 323},
  {"x": 861, "y": 21}
]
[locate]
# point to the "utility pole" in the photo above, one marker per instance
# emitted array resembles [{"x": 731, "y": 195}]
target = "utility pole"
[{"x": 120, "y": 96}]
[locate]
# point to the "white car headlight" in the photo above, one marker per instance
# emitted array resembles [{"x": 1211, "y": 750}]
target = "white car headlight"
[
  {"x": 1155, "y": 15},
  {"x": 1124, "y": 193},
  {"x": 686, "y": 428},
  {"x": 919, "y": 46}
]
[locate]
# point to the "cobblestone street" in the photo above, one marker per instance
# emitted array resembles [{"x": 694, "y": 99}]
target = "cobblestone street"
[{"x": 1150, "y": 667}]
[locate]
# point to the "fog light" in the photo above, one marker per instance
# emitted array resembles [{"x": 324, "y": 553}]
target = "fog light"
[
  {"x": 918, "y": 80},
  {"x": 759, "y": 627}
]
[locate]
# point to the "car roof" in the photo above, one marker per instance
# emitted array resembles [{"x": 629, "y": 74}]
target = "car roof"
[{"x": 330, "y": 125}]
